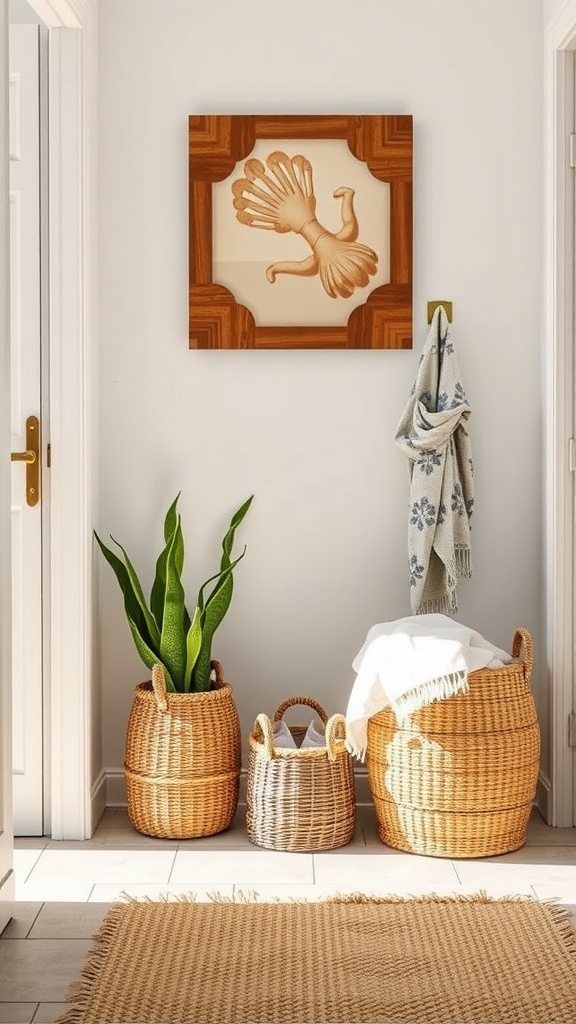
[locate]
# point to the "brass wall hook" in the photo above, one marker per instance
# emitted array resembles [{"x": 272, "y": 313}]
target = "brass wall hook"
[{"x": 433, "y": 305}]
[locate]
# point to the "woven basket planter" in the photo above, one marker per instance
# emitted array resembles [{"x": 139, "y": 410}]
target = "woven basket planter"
[
  {"x": 458, "y": 777},
  {"x": 182, "y": 765},
  {"x": 300, "y": 800}
]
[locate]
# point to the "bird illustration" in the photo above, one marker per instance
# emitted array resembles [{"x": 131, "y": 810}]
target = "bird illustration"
[{"x": 282, "y": 199}]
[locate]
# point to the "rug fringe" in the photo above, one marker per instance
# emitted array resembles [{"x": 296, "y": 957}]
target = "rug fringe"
[
  {"x": 432, "y": 897},
  {"x": 80, "y": 991},
  {"x": 167, "y": 897},
  {"x": 560, "y": 915},
  {"x": 563, "y": 922}
]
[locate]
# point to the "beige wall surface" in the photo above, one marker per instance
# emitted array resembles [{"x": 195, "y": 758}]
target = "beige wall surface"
[
  {"x": 552, "y": 8},
  {"x": 310, "y": 434}
]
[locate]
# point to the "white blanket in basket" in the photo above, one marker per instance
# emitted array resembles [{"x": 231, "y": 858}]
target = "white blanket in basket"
[{"x": 411, "y": 662}]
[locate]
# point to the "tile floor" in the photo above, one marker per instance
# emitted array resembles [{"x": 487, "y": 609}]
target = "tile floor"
[{"x": 64, "y": 888}]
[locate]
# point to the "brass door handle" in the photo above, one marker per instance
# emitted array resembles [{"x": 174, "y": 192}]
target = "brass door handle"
[{"x": 31, "y": 458}]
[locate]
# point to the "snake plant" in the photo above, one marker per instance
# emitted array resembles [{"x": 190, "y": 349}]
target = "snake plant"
[{"x": 163, "y": 630}]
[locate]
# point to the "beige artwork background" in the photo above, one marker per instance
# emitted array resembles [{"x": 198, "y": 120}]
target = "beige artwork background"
[{"x": 241, "y": 254}]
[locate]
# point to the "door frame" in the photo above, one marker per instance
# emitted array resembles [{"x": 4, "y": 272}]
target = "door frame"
[
  {"x": 7, "y": 881},
  {"x": 73, "y": 804},
  {"x": 558, "y": 367},
  {"x": 28, "y": 315}
]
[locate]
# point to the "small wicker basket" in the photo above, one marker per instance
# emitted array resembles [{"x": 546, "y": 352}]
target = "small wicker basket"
[
  {"x": 458, "y": 777},
  {"x": 300, "y": 799},
  {"x": 182, "y": 762}
]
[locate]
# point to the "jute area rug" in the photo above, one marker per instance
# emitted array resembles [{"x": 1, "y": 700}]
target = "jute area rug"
[{"x": 429, "y": 960}]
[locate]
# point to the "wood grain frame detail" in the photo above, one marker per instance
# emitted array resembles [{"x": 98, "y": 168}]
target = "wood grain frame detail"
[{"x": 216, "y": 144}]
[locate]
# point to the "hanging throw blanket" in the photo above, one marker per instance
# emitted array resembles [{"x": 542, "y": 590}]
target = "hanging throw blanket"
[
  {"x": 409, "y": 663},
  {"x": 432, "y": 434}
]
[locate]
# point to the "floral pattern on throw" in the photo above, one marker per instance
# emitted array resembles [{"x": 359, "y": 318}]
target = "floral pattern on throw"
[{"x": 432, "y": 434}]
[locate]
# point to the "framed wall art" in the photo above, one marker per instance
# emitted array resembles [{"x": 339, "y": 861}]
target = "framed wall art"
[{"x": 300, "y": 231}]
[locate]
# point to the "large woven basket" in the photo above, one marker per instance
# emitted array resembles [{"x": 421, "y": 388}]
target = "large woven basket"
[
  {"x": 300, "y": 799},
  {"x": 182, "y": 764},
  {"x": 458, "y": 777}
]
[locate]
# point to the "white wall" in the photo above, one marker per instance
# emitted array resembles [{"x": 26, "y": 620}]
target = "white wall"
[
  {"x": 311, "y": 433},
  {"x": 552, "y": 8}
]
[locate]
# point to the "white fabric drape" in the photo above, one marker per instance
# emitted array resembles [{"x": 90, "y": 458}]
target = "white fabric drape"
[{"x": 410, "y": 662}]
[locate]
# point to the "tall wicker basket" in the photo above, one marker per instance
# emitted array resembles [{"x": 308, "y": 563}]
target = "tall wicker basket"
[
  {"x": 300, "y": 799},
  {"x": 458, "y": 777},
  {"x": 182, "y": 765}
]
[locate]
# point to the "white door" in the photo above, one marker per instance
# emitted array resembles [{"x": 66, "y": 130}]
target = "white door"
[
  {"x": 26, "y": 419},
  {"x": 6, "y": 844}
]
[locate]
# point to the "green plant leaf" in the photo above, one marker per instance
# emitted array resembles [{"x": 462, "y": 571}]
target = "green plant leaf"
[
  {"x": 234, "y": 524},
  {"x": 173, "y": 636},
  {"x": 226, "y": 551},
  {"x": 134, "y": 614},
  {"x": 193, "y": 645},
  {"x": 149, "y": 657},
  {"x": 139, "y": 596},
  {"x": 223, "y": 574},
  {"x": 171, "y": 520},
  {"x": 157, "y": 594},
  {"x": 216, "y": 607},
  {"x": 132, "y": 606}
]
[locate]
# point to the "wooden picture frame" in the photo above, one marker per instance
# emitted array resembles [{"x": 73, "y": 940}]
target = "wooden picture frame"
[{"x": 217, "y": 318}]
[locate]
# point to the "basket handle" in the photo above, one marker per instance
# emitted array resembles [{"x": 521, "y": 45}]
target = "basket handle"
[
  {"x": 523, "y": 639},
  {"x": 216, "y": 667},
  {"x": 334, "y": 723},
  {"x": 159, "y": 687},
  {"x": 266, "y": 728},
  {"x": 308, "y": 701}
]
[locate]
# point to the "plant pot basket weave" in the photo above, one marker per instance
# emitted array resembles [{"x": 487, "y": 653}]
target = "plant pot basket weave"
[
  {"x": 300, "y": 799},
  {"x": 182, "y": 765},
  {"x": 458, "y": 777}
]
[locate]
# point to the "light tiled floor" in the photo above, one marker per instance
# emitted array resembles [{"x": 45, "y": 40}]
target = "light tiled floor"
[{"x": 64, "y": 888}]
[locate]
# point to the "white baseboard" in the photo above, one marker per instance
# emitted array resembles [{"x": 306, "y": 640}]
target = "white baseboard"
[
  {"x": 543, "y": 799},
  {"x": 363, "y": 792},
  {"x": 97, "y": 801},
  {"x": 115, "y": 787}
]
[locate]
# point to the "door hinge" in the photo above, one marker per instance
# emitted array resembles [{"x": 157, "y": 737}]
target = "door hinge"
[
  {"x": 572, "y": 730},
  {"x": 572, "y": 455},
  {"x": 573, "y": 151}
]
